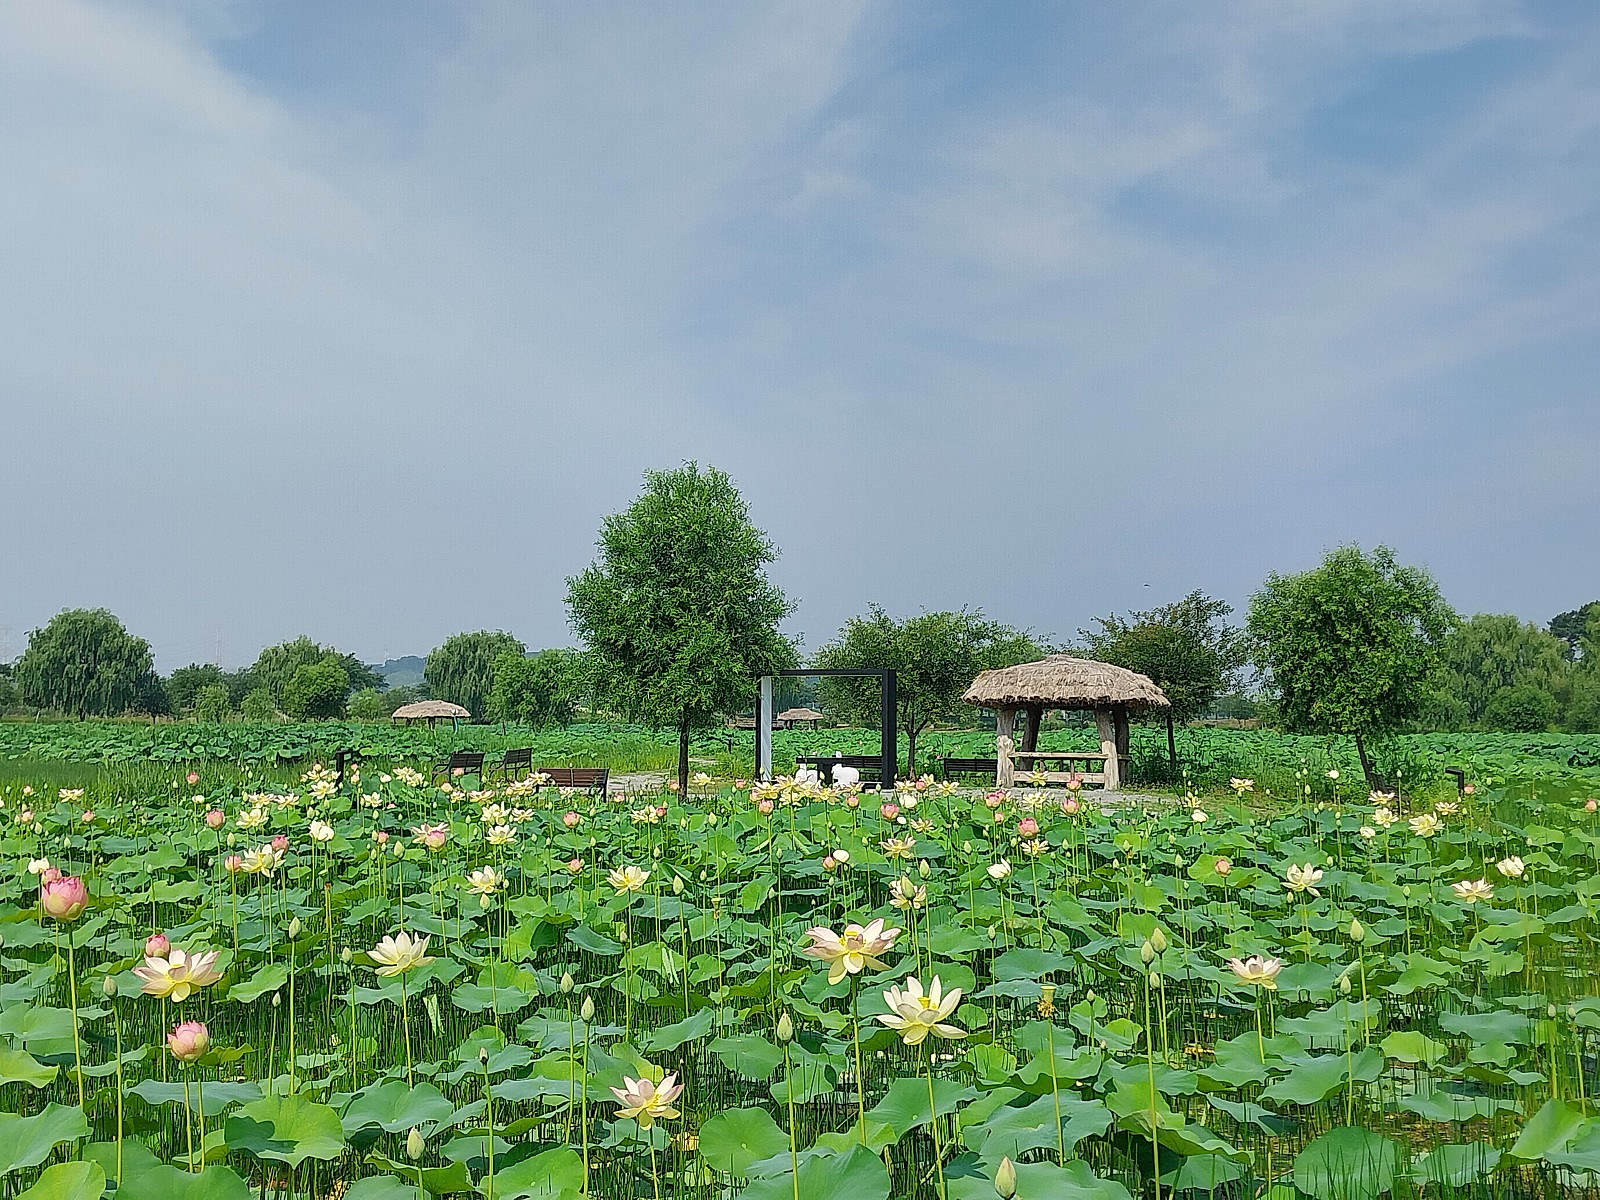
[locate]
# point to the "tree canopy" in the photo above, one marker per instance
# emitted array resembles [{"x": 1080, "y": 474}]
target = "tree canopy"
[
  {"x": 84, "y": 662},
  {"x": 1187, "y": 648},
  {"x": 317, "y": 690},
  {"x": 539, "y": 690},
  {"x": 1484, "y": 661},
  {"x": 935, "y": 656},
  {"x": 1577, "y": 625},
  {"x": 677, "y": 612},
  {"x": 462, "y": 669},
  {"x": 1348, "y": 646},
  {"x": 276, "y": 665}
]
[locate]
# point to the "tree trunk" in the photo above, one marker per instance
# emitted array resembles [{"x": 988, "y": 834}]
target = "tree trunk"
[
  {"x": 683, "y": 754},
  {"x": 1373, "y": 782},
  {"x": 1172, "y": 744}
]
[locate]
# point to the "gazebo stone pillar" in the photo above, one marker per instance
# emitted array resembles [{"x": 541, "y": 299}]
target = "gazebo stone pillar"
[
  {"x": 1108, "y": 746},
  {"x": 1005, "y": 720}
]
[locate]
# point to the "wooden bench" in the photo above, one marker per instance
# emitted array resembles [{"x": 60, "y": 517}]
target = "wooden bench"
[
  {"x": 588, "y": 779},
  {"x": 1061, "y": 765},
  {"x": 511, "y": 762},
  {"x": 462, "y": 762},
  {"x": 950, "y": 767},
  {"x": 870, "y": 765}
]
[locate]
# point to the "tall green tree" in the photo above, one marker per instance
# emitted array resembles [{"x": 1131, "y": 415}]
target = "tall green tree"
[
  {"x": 935, "y": 657},
  {"x": 1487, "y": 658},
  {"x": 1348, "y": 646},
  {"x": 184, "y": 684},
  {"x": 677, "y": 612},
  {"x": 317, "y": 690},
  {"x": 1575, "y": 625},
  {"x": 1188, "y": 649},
  {"x": 84, "y": 662},
  {"x": 539, "y": 690},
  {"x": 276, "y": 666},
  {"x": 462, "y": 669}
]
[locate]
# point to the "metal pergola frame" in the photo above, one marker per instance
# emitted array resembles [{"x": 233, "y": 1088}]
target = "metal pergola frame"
[{"x": 888, "y": 744}]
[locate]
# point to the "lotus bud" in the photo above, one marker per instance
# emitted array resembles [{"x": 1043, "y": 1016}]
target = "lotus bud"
[
  {"x": 785, "y": 1029},
  {"x": 924, "y": 869},
  {"x": 483, "y": 1056},
  {"x": 108, "y": 988},
  {"x": 1344, "y": 985},
  {"x": 414, "y": 1144},
  {"x": 277, "y": 999},
  {"x": 344, "y": 956},
  {"x": 1005, "y": 1180},
  {"x": 677, "y": 885},
  {"x": 294, "y": 928},
  {"x": 1358, "y": 933},
  {"x": 567, "y": 983},
  {"x": 1146, "y": 952},
  {"x": 586, "y": 1010},
  {"x": 1159, "y": 941},
  {"x": 1550, "y": 1011}
]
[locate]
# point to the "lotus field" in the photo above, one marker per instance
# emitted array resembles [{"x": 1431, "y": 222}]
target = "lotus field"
[{"x": 377, "y": 987}]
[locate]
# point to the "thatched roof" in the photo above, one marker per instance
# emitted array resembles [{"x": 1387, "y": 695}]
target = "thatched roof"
[
  {"x": 1062, "y": 681},
  {"x": 802, "y": 714},
  {"x": 422, "y": 710}
]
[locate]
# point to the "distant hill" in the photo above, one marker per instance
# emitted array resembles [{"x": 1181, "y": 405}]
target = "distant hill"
[{"x": 402, "y": 672}]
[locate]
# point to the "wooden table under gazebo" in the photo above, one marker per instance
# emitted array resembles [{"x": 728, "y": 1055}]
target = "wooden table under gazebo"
[{"x": 1063, "y": 682}]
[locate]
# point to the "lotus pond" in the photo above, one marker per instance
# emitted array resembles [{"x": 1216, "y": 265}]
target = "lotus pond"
[{"x": 378, "y": 987}]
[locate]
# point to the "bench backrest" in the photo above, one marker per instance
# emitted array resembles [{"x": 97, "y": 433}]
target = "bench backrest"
[
  {"x": 519, "y": 758},
  {"x": 577, "y": 777},
  {"x": 470, "y": 759}
]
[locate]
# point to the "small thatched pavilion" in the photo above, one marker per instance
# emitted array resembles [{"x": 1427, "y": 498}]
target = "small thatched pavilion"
[
  {"x": 1062, "y": 681},
  {"x": 431, "y": 711},
  {"x": 790, "y": 717}
]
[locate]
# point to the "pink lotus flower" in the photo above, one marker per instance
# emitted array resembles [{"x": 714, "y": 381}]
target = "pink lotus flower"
[
  {"x": 672, "y": 785},
  {"x": 1070, "y": 806},
  {"x": 889, "y": 810},
  {"x": 1074, "y": 782},
  {"x": 571, "y": 820},
  {"x": 188, "y": 1041},
  {"x": 1223, "y": 866},
  {"x": 995, "y": 799},
  {"x": 280, "y": 843},
  {"x": 431, "y": 837},
  {"x": 647, "y": 1102},
  {"x": 381, "y": 836},
  {"x": 156, "y": 946},
  {"x": 1027, "y": 827},
  {"x": 458, "y": 771},
  {"x": 829, "y": 863},
  {"x": 575, "y": 865},
  {"x": 49, "y": 875},
  {"x": 88, "y": 816},
  {"x": 764, "y": 807},
  {"x": 1591, "y": 806},
  {"x": 739, "y": 785},
  {"x": 233, "y": 863},
  {"x": 192, "y": 778},
  {"x": 216, "y": 819},
  {"x": 852, "y": 801},
  {"x": 64, "y": 898}
]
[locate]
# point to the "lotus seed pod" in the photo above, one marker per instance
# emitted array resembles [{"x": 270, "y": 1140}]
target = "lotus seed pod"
[
  {"x": 1005, "y": 1180},
  {"x": 414, "y": 1144},
  {"x": 586, "y": 1010},
  {"x": 294, "y": 928},
  {"x": 1159, "y": 941},
  {"x": 1047, "y": 992},
  {"x": 1358, "y": 933},
  {"x": 785, "y": 1028},
  {"x": 567, "y": 983}
]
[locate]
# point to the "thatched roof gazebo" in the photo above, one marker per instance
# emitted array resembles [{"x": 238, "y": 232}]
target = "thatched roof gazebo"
[
  {"x": 790, "y": 717},
  {"x": 431, "y": 711},
  {"x": 1065, "y": 682}
]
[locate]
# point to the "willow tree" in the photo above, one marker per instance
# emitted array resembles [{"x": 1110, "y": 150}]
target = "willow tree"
[
  {"x": 84, "y": 662},
  {"x": 462, "y": 670},
  {"x": 677, "y": 612}
]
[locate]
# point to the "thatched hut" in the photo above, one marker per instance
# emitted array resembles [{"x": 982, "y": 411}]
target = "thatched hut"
[
  {"x": 1064, "y": 682},
  {"x": 431, "y": 711},
  {"x": 790, "y": 717}
]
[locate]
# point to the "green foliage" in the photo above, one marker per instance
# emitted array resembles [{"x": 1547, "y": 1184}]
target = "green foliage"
[
  {"x": 276, "y": 666},
  {"x": 462, "y": 670},
  {"x": 1487, "y": 656},
  {"x": 935, "y": 656},
  {"x": 1576, "y": 626},
  {"x": 1187, "y": 648},
  {"x": 184, "y": 684},
  {"x": 540, "y": 690},
  {"x": 84, "y": 662},
  {"x": 211, "y": 703},
  {"x": 258, "y": 705},
  {"x": 369, "y": 704},
  {"x": 1520, "y": 708},
  {"x": 677, "y": 612},
  {"x": 316, "y": 691},
  {"x": 1348, "y": 646}
]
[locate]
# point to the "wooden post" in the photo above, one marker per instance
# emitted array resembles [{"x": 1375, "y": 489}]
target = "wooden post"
[
  {"x": 1108, "y": 747},
  {"x": 1172, "y": 745},
  {"x": 1004, "y": 722},
  {"x": 1030, "y": 731},
  {"x": 1119, "y": 729}
]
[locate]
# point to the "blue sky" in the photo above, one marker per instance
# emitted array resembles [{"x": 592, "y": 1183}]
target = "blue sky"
[{"x": 356, "y": 319}]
